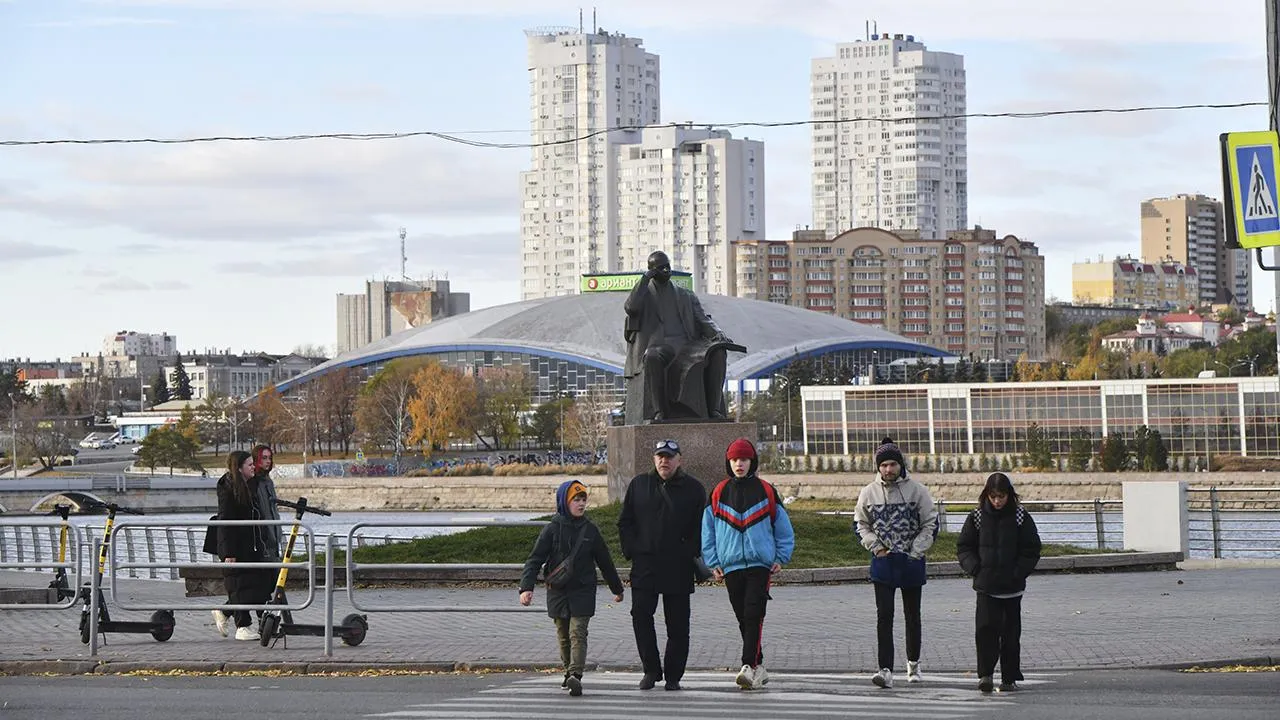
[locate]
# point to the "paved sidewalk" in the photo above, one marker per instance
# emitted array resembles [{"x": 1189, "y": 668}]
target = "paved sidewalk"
[{"x": 1069, "y": 621}]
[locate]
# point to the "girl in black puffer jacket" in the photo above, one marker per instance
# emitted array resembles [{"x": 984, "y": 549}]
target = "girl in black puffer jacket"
[{"x": 999, "y": 546}]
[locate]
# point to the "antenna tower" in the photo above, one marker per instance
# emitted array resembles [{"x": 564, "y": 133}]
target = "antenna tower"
[{"x": 403, "y": 258}]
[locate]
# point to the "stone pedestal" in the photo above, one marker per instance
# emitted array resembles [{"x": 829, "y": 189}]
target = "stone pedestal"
[{"x": 702, "y": 446}]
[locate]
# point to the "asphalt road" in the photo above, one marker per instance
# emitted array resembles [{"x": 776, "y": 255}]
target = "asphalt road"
[{"x": 1115, "y": 695}]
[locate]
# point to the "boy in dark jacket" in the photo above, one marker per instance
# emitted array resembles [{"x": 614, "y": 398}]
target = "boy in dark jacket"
[
  {"x": 571, "y": 603},
  {"x": 746, "y": 537},
  {"x": 999, "y": 546}
]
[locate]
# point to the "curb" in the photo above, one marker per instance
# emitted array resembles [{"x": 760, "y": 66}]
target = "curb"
[{"x": 75, "y": 667}]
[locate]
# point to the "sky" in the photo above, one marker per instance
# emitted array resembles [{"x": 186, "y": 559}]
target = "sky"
[{"x": 244, "y": 245}]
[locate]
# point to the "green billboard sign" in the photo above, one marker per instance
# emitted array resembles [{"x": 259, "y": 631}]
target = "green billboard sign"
[{"x": 623, "y": 282}]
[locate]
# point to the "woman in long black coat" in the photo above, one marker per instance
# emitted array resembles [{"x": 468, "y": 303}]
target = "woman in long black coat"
[
  {"x": 243, "y": 543},
  {"x": 999, "y": 546}
]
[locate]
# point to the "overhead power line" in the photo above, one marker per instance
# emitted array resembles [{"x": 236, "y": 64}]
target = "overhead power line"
[{"x": 456, "y": 136}]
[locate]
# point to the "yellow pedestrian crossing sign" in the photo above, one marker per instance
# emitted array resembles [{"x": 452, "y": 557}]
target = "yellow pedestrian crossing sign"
[{"x": 1250, "y": 164}]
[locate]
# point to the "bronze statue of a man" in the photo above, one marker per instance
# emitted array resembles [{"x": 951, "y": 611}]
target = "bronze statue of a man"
[{"x": 668, "y": 337}]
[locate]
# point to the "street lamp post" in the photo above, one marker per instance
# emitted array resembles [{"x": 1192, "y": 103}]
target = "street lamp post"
[{"x": 13, "y": 433}]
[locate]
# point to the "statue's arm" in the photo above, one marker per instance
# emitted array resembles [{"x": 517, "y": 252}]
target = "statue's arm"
[{"x": 638, "y": 296}]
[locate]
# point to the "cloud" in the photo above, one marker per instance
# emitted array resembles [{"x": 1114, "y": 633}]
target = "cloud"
[
  {"x": 120, "y": 283},
  {"x": 18, "y": 251},
  {"x": 1131, "y": 21},
  {"x": 469, "y": 255},
  {"x": 259, "y": 192}
]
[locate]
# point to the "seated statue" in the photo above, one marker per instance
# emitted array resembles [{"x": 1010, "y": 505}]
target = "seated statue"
[{"x": 676, "y": 355}]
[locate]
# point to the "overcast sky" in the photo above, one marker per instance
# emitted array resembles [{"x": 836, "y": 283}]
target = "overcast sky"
[{"x": 244, "y": 245}]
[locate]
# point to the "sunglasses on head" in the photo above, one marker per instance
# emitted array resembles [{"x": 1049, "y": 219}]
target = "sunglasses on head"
[{"x": 667, "y": 445}]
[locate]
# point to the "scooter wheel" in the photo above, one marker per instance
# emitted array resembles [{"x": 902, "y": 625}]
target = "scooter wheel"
[
  {"x": 354, "y": 628},
  {"x": 84, "y": 628},
  {"x": 269, "y": 625},
  {"x": 163, "y": 622}
]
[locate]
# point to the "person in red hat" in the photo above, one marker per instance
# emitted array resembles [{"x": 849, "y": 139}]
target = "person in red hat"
[{"x": 746, "y": 537}]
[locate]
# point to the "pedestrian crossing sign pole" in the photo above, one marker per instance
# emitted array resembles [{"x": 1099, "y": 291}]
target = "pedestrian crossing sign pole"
[{"x": 1250, "y": 165}]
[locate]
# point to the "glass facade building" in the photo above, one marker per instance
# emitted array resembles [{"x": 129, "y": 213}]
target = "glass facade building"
[{"x": 1195, "y": 417}]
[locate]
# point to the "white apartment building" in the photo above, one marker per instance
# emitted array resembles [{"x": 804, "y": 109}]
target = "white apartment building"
[
  {"x": 581, "y": 86},
  {"x": 129, "y": 342},
  {"x": 690, "y": 193},
  {"x": 877, "y": 162}
]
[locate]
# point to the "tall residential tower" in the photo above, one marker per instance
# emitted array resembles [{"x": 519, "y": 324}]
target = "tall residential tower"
[
  {"x": 1189, "y": 229},
  {"x": 581, "y": 86},
  {"x": 881, "y": 155}
]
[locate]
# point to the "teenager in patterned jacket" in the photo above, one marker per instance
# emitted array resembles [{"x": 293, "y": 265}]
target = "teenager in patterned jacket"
[{"x": 896, "y": 522}]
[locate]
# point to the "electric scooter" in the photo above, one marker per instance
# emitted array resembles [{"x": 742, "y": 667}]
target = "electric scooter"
[
  {"x": 60, "y": 583},
  {"x": 277, "y": 624},
  {"x": 161, "y": 624}
]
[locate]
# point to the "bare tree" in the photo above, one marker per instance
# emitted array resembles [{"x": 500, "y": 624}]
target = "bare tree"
[
  {"x": 336, "y": 392},
  {"x": 44, "y": 437},
  {"x": 588, "y": 422},
  {"x": 311, "y": 350}
]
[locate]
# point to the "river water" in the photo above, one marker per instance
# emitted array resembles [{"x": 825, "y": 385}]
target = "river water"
[{"x": 1241, "y": 534}]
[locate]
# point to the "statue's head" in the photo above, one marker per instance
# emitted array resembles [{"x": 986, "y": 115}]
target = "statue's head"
[{"x": 660, "y": 264}]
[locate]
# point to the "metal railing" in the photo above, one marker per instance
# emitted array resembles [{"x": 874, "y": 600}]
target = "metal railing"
[
  {"x": 31, "y": 559},
  {"x": 161, "y": 543},
  {"x": 1249, "y": 529},
  {"x": 1088, "y": 527},
  {"x": 353, "y": 567}
]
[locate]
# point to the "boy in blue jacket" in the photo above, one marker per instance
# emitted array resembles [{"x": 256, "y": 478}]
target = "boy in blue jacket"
[{"x": 746, "y": 537}]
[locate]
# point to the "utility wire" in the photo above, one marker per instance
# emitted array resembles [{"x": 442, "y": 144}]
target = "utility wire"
[{"x": 455, "y": 137}]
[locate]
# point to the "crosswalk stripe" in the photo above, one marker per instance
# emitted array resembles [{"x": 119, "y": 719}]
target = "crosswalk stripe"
[{"x": 943, "y": 696}]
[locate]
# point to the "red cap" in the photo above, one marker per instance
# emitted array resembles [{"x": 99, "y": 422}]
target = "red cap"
[{"x": 741, "y": 449}]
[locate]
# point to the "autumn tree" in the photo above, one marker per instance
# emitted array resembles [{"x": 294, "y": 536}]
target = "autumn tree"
[
  {"x": 272, "y": 422},
  {"x": 502, "y": 396},
  {"x": 442, "y": 406},
  {"x": 382, "y": 410}
]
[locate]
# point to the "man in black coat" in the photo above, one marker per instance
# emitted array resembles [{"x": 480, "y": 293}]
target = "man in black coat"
[{"x": 660, "y": 529}]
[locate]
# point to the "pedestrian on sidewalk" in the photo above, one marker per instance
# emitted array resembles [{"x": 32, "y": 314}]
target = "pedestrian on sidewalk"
[
  {"x": 896, "y": 521},
  {"x": 746, "y": 538},
  {"x": 999, "y": 546},
  {"x": 242, "y": 543},
  {"x": 660, "y": 528},
  {"x": 572, "y": 539}
]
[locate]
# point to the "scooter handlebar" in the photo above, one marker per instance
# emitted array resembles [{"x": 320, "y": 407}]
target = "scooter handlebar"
[
  {"x": 111, "y": 506},
  {"x": 302, "y": 506}
]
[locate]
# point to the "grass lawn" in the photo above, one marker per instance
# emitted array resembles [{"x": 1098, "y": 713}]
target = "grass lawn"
[{"x": 821, "y": 541}]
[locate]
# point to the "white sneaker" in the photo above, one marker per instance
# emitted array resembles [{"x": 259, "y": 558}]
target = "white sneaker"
[
  {"x": 913, "y": 672},
  {"x": 883, "y": 679},
  {"x": 761, "y": 678},
  {"x": 220, "y": 619},
  {"x": 746, "y": 677},
  {"x": 246, "y": 633}
]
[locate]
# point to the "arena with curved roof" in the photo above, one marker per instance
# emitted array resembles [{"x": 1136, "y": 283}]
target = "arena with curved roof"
[{"x": 574, "y": 342}]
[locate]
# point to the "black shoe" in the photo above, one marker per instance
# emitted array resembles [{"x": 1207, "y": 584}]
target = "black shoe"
[
  {"x": 673, "y": 685},
  {"x": 648, "y": 681},
  {"x": 575, "y": 685},
  {"x": 1009, "y": 687},
  {"x": 984, "y": 684},
  {"x": 564, "y": 682}
]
